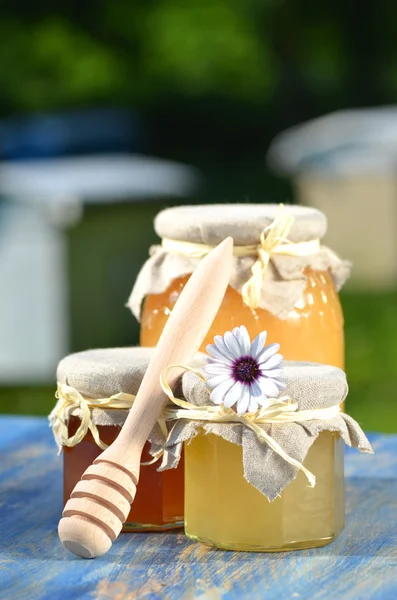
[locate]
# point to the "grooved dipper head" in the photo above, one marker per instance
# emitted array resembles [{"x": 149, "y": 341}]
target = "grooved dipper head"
[{"x": 83, "y": 537}]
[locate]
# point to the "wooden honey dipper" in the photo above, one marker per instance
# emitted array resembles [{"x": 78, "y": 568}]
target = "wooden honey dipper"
[{"x": 100, "y": 502}]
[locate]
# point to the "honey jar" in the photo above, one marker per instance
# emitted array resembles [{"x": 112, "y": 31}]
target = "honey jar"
[
  {"x": 284, "y": 280},
  {"x": 96, "y": 388},
  {"x": 269, "y": 480}
]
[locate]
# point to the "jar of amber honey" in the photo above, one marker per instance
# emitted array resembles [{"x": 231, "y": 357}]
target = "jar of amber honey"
[
  {"x": 271, "y": 480},
  {"x": 284, "y": 281},
  {"x": 96, "y": 388}
]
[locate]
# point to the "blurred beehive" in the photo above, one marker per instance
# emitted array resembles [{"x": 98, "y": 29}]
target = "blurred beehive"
[
  {"x": 345, "y": 164},
  {"x": 74, "y": 232}
]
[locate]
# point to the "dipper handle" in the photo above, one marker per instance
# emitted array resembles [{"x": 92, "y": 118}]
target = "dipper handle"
[{"x": 100, "y": 503}]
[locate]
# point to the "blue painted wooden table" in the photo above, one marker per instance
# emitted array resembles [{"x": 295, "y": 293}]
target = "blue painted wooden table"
[{"x": 361, "y": 564}]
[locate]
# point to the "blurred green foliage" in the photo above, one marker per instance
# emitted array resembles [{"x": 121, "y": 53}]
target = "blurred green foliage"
[
  {"x": 305, "y": 55},
  {"x": 132, "y": 52},
  {"x": 53, "y": 64},
  {"x": 371, "y": 358}
]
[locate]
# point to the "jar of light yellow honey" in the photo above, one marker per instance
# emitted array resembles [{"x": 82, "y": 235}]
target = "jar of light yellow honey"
[
  {"x": 284, "y": 281},
  {"x": 224, "y": 510},
  {"x": 272, "y": 480}
]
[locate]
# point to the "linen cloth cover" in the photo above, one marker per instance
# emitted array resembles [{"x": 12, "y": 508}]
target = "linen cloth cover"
[{"x": 284, "y": 279}]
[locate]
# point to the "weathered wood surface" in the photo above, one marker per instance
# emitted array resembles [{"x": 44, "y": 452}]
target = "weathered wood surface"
[{"x": 360, "y": 565}]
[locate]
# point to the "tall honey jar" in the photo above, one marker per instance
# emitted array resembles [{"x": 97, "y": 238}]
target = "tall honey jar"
[{"x": 284, "y": 280}]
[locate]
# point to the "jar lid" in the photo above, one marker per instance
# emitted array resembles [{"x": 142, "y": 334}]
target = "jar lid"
[
  {"x": 210, "y": 224},
  {"x": 268, "y": 267},
  {"x": 105, "y": 381},
  {"x": 311, "y": 385},
  {"x": 103, "y": 372}
]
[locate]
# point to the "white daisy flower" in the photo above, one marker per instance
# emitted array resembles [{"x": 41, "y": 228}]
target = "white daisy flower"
[{"x": 243, "y": 374}]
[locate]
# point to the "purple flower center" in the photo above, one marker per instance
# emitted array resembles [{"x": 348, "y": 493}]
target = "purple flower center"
[{"x": 246, "y": 369}]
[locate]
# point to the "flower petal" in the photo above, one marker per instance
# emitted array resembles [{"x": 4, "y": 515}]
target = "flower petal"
[
  {"x": 243, "y": 338},
  {"x": 258, "y": 344},
  {"x": 214, "y": 351},
  {"x": 253, "y": 405},
  {"x": 233, "y": 395},
  {"x": 274, "y": 373},
  {"x": 223, "y": 349},
  {"x": 280, "y": 384},
  {"x": 232, "y": 344},
  {"x": 272, "y": 362},
  {"x": 217, "y": 369},
  {"x": 255, "y": 389},
  {"x": 212, "y": 382},
  {"x": 267, "y": 352},
  {"x": 243, "y": 403},
  {"x": 218, "y": 393},
  {"x": 268, "y": 387}
]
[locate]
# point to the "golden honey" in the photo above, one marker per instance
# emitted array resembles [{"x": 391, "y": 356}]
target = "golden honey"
[
  {"x": 224, "y": 510},
  {"x": 312, "y": 331}
]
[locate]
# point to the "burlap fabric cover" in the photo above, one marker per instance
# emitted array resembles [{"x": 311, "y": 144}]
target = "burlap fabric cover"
[
  {"x": 312, "y": 386},
  {"x": 284, "y": 280},
  {"x": 104, "y": 372}
]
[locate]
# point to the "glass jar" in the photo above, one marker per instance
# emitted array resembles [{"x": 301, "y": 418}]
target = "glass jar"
[
  {"x": 105, "y": 381},
  {"x": 272, "y": 480},
  {"x": 300, "y": 304},
  {"x": 158, "y": 504},
  {"x": 224, "y": 510}
]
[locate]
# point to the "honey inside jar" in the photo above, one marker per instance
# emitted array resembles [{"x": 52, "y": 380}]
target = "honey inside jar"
[
  {"x": 224, "y": 510},
  {"x": 158, "y": 503},
  {"x": 312, "y": 331}
]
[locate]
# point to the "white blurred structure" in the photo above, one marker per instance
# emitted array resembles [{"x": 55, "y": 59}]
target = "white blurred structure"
[
  {"x": 345, "y": 164},
  {"x": 38, "y": 199}
]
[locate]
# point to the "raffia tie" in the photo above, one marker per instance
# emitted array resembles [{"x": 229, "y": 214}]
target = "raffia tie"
[
  {"x": 273, "y": 241},
  {"x": 277, "y": 410},
  {"x": 71, "y": 399}
]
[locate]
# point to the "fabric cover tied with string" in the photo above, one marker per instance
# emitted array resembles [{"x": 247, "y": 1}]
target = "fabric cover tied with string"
[
  {"x": 273, "y": 244},
  {"x": 270, "y": 460},
  {"x": 98, "y": 387}
]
